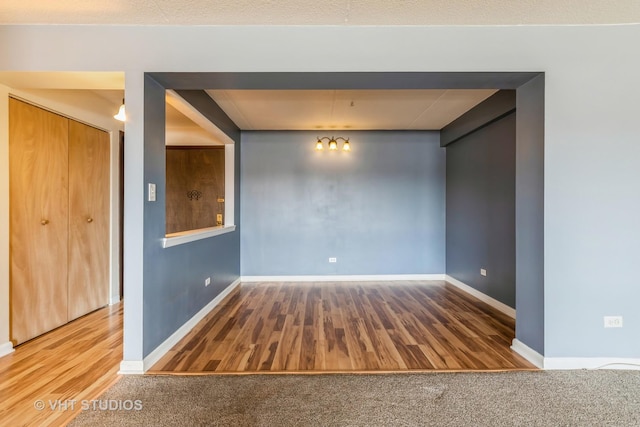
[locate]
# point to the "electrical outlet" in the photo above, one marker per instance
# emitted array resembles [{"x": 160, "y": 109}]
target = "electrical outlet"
[
  {"x": 483, "y": 272},
  {"x": 332, "y": 259},
  {"x": 613, "y": 321},
  {"x": 207, "y": 281}
]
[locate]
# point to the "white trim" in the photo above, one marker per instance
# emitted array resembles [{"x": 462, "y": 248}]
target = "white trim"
[
  {"x": 552, "y": 363},
  {"x": 573, "y": 363},
  {"x": 482, "y": 297},
  {"x": 347, "y": 278},
  {"x": 114, "y": 217},
  {"x": 131, "y": 367},
  {"x": 229, "y": 185},
  {"x": 6, "y": 348},
  {"x": 140, "y": 367},
  {"x": 192, "y": 236},
  {"x": 528, "y": 353}
]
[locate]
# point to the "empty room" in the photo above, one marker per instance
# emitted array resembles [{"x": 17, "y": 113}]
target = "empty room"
[{"x": 430, "y": 211}]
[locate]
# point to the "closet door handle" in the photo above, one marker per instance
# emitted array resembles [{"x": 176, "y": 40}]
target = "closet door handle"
[
  {"x": 44, "y": 222},
  {"x": 89, "y": 219}
]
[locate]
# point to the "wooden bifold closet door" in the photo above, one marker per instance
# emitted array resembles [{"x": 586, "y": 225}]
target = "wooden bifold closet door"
[
  {"x": 59, "y": 219},
  {"x": 38, "y": 219},
  {"x": 88, "y": 219}
]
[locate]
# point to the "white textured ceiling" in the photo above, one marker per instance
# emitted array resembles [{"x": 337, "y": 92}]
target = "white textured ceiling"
[
  {"x": 320, "y": 12},
  {"x": 346, "y": 109}
]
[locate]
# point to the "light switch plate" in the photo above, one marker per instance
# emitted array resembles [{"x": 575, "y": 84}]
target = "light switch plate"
[{"x": 152, "y": 192}]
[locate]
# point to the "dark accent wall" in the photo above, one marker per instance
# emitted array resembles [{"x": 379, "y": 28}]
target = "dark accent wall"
[
  {"x": 378, "y": 209},
  {"x": 530, "y": 162},
  {"x": 481, "y": 209},
  {"x": 493, "y": 108},
  {"x": 343, "y": 80},
  {"x": 173, "y": 285}
]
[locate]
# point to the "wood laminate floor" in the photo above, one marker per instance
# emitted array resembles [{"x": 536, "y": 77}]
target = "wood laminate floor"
[
  {"x": 60, "y": 369},
  {"x": 347, "y": 327}
]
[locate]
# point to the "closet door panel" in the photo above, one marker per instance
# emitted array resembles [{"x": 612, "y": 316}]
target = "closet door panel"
[
  {"x": 38, "y": 197},
  {"x": 88, "y": 219}
]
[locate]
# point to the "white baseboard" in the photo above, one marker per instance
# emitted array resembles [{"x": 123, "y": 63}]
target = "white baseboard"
[
  {"x": 344, "y": 278},
  {"x": 6, "y": 348},
  {"x": 140, "y": 367},
  {"x": 569, "y": 363},
  {"x": 511, "y": 312},
  {"x": 131, "y": 367},
  {"x": 528, "y": 353},
  {"x": 573, "y": 363}
]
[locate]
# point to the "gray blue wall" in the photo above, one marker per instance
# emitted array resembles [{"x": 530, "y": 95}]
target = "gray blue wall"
[
  {"x": 174, "y": 277},
  {"x": 481, "y": 209},
  {"x": 379, "y": 209}
]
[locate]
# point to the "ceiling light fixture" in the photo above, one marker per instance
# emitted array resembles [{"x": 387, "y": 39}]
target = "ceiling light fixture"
[
  {"x": 122, "y": 116},
  {"x": 333, "y": 143}
]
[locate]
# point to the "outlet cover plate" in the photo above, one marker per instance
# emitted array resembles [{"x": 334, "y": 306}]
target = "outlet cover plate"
[{"x": 613, "y": 321}]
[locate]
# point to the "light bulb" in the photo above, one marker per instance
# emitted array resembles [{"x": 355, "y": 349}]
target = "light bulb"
[
  {"x": 333, "y": 145},
  {"x": 122, "y": 116},
  {"x": 346, "y": 146},
  {"x": 319, "y": 145}
]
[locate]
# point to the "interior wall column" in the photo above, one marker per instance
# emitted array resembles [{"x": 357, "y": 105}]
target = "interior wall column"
[
  {"x": 530, "y": 307},
  {"x": 134, "y": 205}
]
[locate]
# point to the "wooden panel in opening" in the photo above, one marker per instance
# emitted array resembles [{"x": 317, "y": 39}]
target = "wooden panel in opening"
[
  {"x": 195, "y": 183},
  {"x": 88, "y": 219},
  {"x": 38, "y": 197}
]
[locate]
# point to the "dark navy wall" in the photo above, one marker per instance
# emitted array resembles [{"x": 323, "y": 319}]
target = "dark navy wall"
[
  {"x": 174, "y": 277},
  {"x": 379, "y": 209},
  {"x": 481, "y": 209}
]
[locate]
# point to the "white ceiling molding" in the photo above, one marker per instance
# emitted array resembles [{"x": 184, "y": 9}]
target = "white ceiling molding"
[{"x": 320, "y": 12}]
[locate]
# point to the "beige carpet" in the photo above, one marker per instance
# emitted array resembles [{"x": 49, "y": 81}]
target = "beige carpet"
[{"x": 545, "y": 398}]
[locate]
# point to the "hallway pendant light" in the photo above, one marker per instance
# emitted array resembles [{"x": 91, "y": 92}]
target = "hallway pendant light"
[
  {"x": 333, "y": 143},
  {"x": 122, "y": 116}
]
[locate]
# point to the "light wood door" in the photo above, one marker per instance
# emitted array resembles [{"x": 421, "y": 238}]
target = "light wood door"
[
  {"x": 88, "y": 219},
  {"x": 38, "y": 196}
]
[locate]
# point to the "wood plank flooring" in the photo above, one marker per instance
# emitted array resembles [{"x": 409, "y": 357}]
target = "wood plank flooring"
[
  {"x": 77, "y": 361},
  {"x": 346, "y": 327}
]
